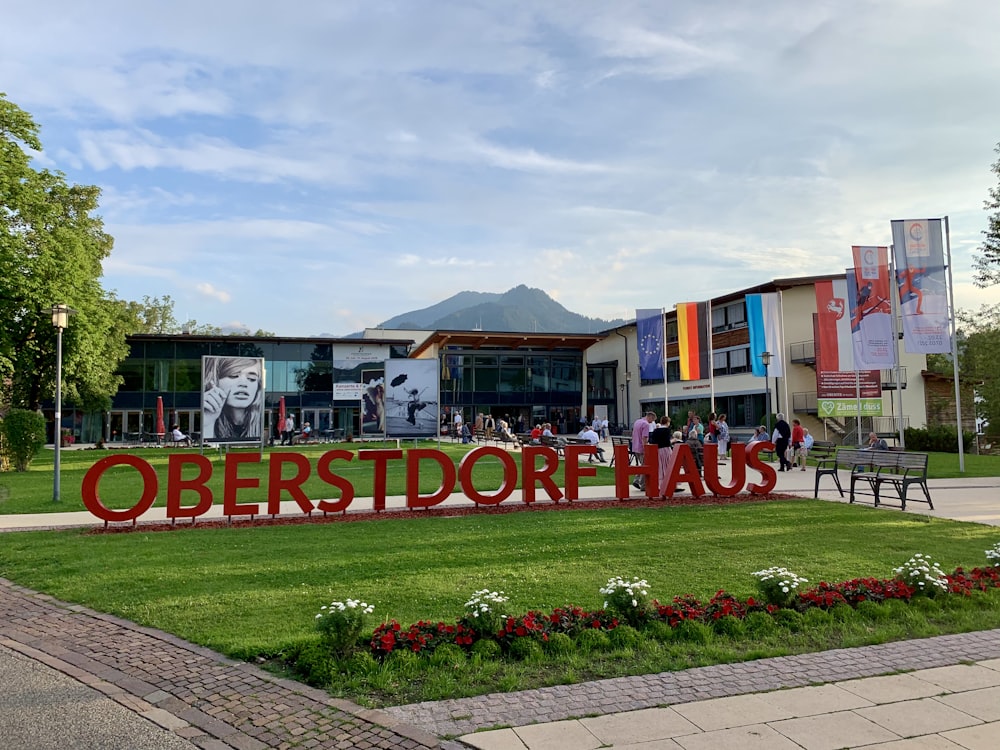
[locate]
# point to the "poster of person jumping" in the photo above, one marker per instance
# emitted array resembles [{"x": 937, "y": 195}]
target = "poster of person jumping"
[{"x": 411, "y": 398}]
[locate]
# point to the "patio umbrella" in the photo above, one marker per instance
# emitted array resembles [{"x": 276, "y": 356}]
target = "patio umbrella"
[
  {"x": 161, "y": 429},
  {"x": 281, "y": 414}
]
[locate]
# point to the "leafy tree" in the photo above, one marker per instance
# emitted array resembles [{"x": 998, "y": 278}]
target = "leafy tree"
[
  {"x": 23, "y": 436},
  {"x": 978, "y": 358},
  {"x": 988, "y": 264},
  {"x": 51, "y": 248}
]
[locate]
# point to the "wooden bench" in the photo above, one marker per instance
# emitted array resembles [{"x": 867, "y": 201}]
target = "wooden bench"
[
  {"x": 822, "y": 449},
  {"x": 875, "y": 468}
]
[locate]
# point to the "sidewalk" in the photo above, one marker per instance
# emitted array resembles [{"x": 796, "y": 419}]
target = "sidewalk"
[{"x": 81, "y": 679}]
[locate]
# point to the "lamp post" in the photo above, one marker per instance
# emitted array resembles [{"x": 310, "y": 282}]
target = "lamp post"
[
  {"x": 621, "y": 411},
  {"x": 765, "y": 359},
  {"x": 628, "y": 396},
  {"x": 60, "y": 320}
]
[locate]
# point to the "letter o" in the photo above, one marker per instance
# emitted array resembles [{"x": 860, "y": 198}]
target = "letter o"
[
  {"x": 509, "y": 475},
  {"x": 150, "y": 487}
]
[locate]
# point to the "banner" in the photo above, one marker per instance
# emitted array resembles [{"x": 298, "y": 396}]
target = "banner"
[
  {"x": 834, "y": 347},
  {"x": 232, "y": 399},
  {"x": 693, "y": 342},
  {"x": 923, "y": 297},
  {"x": 649, "y": 333},
  {"x": 411, "y": 398},
  {"x": 764, "y": 321},
  {"x": 373, "y": 402},
  {"x": 836, "y": 380},
  {"x": 868, "y": 290}
]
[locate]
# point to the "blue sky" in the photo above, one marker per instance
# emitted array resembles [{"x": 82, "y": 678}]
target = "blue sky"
[{"x": 323, "y": 165}]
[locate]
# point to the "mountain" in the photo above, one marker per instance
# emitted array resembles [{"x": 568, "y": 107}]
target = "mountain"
[{"x": 521, "y": 310}]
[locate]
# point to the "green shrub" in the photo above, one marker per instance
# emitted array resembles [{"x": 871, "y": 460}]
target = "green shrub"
[
  {"x": 448, "y": 655},
  {"x": 693, "y": 632},
  {"x": 627, "y": 600},
  {"x": 23, "y": 436},
  {"x": 789, "y": 619},
  {"x": 486, "y": 649},
  {"x": 817, "y": 618},
  {"x": 559, "y": 644},
  {"x": 925, "y": 604},
  {"x": 525, "y": 649},
  {"x": 759, "y": 624},
  {"x": 315, "y": 663},
  {"x": 842, "y": 613},
  {"x": 624, "y": 636},
  {"x": 943, "y": 439},
  {"x": 873, "y": 610},
  {"x": 729, "y": 626},
  {"x": 659, "y": 631},
  {"x": 592, "y": 640}
]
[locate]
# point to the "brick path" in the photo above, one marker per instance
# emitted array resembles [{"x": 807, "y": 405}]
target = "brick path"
[{"x": 212, "y": 701}]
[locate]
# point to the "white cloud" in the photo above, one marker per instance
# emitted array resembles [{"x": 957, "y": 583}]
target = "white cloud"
[{"x": 210, "y": 291}]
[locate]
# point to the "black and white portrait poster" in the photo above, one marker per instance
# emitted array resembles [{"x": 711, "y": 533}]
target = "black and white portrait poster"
[
  {"x": 232, "y": 399},
  {"x": 373, "y": 403},
  {"x": 411, "y": 398}
]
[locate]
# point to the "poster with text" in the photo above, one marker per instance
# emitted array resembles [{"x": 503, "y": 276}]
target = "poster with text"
[
  {"x": 920, "y": 279},
  {"x": 373, "y": 403},
  {"x": 232, "y": 399},
  {"x": 411, "y": 398}
]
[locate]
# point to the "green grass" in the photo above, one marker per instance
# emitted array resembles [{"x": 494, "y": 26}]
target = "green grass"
[
  {"x": 31, "y": 491},
  {"x": 255, "y": 591}
]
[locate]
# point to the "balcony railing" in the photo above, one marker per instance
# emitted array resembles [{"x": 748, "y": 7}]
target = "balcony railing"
[
  {"x": 803, "y": 352},
  {"x": 889, "y": 379}
]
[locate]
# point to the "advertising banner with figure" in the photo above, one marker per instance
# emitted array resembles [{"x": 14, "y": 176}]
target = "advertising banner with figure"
[
  {"x": 373, "y": 402},
  {"x": 837, "y": 381},
  {"x": 232, "y": 399},
  {"x": 411, "y": 398},
  {"x": 918, "y": 250},
  {"x": 868, "y": 290}
]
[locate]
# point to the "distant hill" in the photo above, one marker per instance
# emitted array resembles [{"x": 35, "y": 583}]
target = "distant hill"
[{"x": 521, "y": 310}]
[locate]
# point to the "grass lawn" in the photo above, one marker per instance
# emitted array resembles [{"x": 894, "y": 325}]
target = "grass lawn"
[
  {"x": 31, "y": 491},
  {"x": 255, "y": 591}
]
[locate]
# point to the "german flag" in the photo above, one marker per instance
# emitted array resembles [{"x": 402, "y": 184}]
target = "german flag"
[{"x": 693, "y": 340}]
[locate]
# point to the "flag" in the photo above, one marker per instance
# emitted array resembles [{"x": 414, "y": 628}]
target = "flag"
[
  {"x": 923, "y": 299},
  {"x": 834, "y": 347},
  {"x": 872, "y": 336},
  {"x": 649, "y": 333},
  {"x": 693, "y": 341},
  {"x": 764, "y": 320}
]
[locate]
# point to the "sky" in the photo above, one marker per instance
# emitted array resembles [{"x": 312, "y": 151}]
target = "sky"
[{"x": 324, "y": 165}]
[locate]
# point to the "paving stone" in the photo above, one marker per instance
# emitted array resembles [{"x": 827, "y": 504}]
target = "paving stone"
[
  {"x": 960, "y": 677},
  {"x": 917, "y": 717},
  {"x": 832, "y": 731},
  {"x": 560, "y": 735},
  {"x": 982, "y": 737},
  {"x": 890, "y": 688},
  {"x": 927, "y": 742},
  {"x": 983, "y": 704},
  {"x": 639, "y": 726},
  {"x": 808, "y": 701},
  {"x": 753, "y": 737},
  {"x": 496, "y": 739},
  {"x": 735, "y": 711}
]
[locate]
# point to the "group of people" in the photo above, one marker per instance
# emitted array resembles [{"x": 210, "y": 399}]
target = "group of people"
[{"x": 792, "y": 442}]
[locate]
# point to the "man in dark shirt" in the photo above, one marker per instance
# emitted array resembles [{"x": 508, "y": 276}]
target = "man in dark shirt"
[{"x": 784, "y": 431}]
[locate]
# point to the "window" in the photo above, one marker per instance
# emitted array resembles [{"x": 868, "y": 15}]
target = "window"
[{"x": 730, "y": 316}]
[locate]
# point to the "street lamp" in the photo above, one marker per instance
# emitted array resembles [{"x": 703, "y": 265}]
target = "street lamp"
[
  {"x": 60, "y": 320},
  {"x": 621, "y": 412},
  {"x": 765, "y": 359},
  {"x": 628, "y": 396}
]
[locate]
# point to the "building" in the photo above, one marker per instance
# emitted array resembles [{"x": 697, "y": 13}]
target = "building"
[{"x": 527, "y": 377}]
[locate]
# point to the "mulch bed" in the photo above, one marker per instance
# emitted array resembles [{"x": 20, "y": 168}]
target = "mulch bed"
[{"x": 441, "y": 512}]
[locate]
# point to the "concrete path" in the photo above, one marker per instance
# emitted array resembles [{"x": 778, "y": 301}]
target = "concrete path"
[{"x": 76, "y": 678}]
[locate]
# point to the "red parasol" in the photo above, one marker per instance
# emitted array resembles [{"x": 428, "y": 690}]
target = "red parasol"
[
  {"x": 281, "y": 414},
  {"x": 161, "y": 429}
]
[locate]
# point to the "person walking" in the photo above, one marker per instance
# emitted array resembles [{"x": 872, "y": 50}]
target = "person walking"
[
  {"x": 288, "y": 431},
  {"x": 662, "y": 438},
  {"x": 640, "y": 437},
  {"x": 722, "y": 436},
  {"x": 781, "y": 437},
  {"x": 798, "y": 436}
]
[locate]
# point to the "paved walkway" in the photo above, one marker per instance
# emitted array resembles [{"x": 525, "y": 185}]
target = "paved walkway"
[{"x": 81, "y": 679}]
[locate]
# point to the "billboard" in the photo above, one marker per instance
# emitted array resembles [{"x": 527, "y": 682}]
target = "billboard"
[
  {"x": 411, "y": 398},
  {"x": 870, "y": 304},
  {"x": 232, "y": 399},
  {"x": 373, "y": 402}
]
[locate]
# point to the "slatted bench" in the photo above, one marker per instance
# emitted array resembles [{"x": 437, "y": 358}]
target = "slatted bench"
[
  {"x": 822, "y": 449},
  {"x": 625, "y": 440},
  {"x": 875, "y": 468}
]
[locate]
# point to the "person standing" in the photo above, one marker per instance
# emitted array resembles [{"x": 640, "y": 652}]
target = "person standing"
[
  {"x": 288, "y": 431},
  {"x": 640, "y": 437},
  {"x": 807, "y": 444},
  {"x": 781, "y": 436},
  {"x": 797, "y": 437},
  {"x": 722, "y": 436},
  {"x": 662, "y": 438}
]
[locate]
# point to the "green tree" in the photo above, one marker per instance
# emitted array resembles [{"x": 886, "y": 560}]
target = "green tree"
[
  {"x": 987, "y": 265},
  {"x": 52, "y": 245},
  {"x": 978, "y": 358}
]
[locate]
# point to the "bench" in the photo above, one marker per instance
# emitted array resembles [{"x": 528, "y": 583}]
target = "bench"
[
  {"x": 875, "y": 468},
  {"x": 625, "y": 440},
  {"x": 822, "y": 449}
]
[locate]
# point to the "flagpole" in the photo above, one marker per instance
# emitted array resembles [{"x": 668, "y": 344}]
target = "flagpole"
[
  {"x": 784, "y": 362},
  {"x": 954, "y": 350},
  {"x": 666, "y": 385},
  {"x": 711, "y": 355},
  {"x": 895, "y": 307}
]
